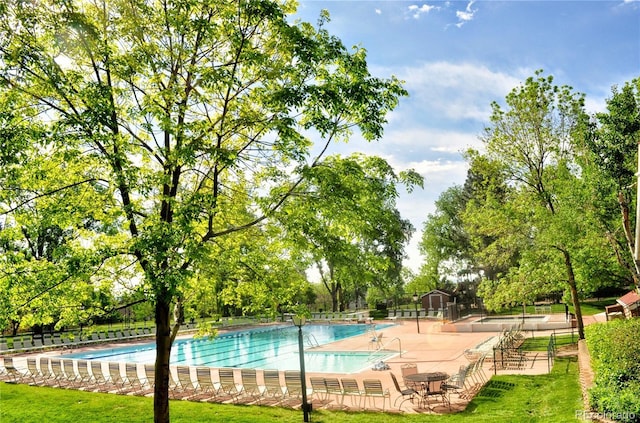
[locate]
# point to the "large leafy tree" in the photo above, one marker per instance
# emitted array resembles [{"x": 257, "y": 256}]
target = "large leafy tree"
[
  {"x": 170, "y": 105},
  {"x": 614, "y": 144},
  {"x": 44, "y": 269},
  {"x": 457, "y": 247},
  {"x": 348, "y": 223},
  {"x": 537, "y": 140},
  {"x": 444, "y": 240}
]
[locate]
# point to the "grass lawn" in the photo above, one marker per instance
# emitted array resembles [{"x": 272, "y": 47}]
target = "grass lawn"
[
  {"x": 543, "y": 398},
  {"x": 542, "y": 342}
]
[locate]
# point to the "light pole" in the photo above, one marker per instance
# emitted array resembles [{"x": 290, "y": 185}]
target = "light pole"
[
  {"x": 415, "y": 300},
  {"x": 299, "y": 321}
]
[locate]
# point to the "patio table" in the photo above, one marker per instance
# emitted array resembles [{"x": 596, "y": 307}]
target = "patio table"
[{"x": 428, "y": 384}]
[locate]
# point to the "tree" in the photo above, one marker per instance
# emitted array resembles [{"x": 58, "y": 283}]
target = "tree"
[
  {"x": 456, "y": 242},
  {"x": 536, "y": 139},
  {"x": 170, "y": 105},
  {"x": 348, "y": 223},
  {"x": 443, "y": 239},
  {"x": 40, "y": 238},
  {"x": 614, "y": 144}
]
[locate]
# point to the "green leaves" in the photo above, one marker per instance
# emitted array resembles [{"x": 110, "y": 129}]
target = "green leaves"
[
  {"x": 345, "y": 218},
  {"x": 614, "y": 358},
  {"x": 181, "y": 123},
  {"x": 532, "y": 205}
]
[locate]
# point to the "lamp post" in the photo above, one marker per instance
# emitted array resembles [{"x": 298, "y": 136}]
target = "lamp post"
[
  {"x": 415, "y": 300},
  {"x": 299, "y": 321}
]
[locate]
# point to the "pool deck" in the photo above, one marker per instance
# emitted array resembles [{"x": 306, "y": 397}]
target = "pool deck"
[{"x": 431, "y": 350}]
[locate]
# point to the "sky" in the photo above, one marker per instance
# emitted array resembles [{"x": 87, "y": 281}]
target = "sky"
[{"x": 457, "y": 57}]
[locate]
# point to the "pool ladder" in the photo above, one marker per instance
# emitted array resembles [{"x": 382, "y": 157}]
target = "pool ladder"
[
  {"x": 312, "y": 342},
  {"x": 385, "y": 346}
]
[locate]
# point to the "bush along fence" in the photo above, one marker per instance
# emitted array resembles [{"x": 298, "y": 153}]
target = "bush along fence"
[{"x": 615, "y": 360}]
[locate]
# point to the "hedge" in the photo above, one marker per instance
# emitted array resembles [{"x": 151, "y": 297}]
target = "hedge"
[{"x": 615, "y": 359}]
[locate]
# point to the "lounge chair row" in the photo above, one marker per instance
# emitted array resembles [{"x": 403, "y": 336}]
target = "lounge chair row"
[
  {"x": 194, "y": 383},
  {"x": 411, "y": 314},
  {"x": 47, "y": 341},
  {"x": 468, "y": 381},
  {"x": 507, "y": 353}
]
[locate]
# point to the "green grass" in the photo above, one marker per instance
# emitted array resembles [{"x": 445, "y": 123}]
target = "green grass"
[
  {"x": 588, "y": 307},
  {"x": 543, "y": 398},
  {"x": 541, "y": 343},
  {"x": 593, "y": 306}
]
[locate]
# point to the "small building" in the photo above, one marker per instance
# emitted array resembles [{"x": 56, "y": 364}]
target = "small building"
[
  {"x": 628, "y": 306},
  {"x": 435, "y": 302},
  {"x": 630, "y": 303}
]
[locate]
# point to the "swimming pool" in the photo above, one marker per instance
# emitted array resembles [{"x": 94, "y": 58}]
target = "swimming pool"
[{"x": 264, "y": 348}]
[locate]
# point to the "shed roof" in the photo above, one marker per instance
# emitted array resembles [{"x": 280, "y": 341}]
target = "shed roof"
[
  {"x": 436, "y": 291},
  {"x": 629, "y": 298}
]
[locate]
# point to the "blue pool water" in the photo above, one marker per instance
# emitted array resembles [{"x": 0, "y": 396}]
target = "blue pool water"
[{"x": 264, "y": 348}]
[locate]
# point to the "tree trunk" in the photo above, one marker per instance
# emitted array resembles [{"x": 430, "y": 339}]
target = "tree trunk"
[
  {"x": 574, "y": 293},
  {"x": 631, "y": 242},
  {"x": 163, "y": 353}
]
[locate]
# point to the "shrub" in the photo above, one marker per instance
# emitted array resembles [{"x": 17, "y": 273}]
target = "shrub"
[{"x": 615, "y": 359}]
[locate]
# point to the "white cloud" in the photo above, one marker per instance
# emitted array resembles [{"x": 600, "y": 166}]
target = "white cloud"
[
  {"x": 423, "y": 141},
  {"x": 378, "y": 12},
  {"x": 417, "y": 11},
  {"x": 466, "y": 15},
  {"x": 458, "y": 91}
]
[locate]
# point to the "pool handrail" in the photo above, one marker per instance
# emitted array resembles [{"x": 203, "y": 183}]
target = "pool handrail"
[{"x": 388, "y": 343}]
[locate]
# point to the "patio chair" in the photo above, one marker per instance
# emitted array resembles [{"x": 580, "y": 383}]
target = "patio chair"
[
  {"x": 70, "y": 373},
  {"x": 205, "y": 384},
  {"x": 46, "y": 373},
  {"x": 115, "y": 377},
  {"x": 150, "y": 375},
  {"x": 293, "y": 383},
  {"x": 376, "y": 341},
  {"x": 84, "y": 377},
  {"x": 318, "y": 388},
  {"x": 436, "y": 390},
  {"x": 351, "y": 389},
  {"x": 373, "y": 389},
  {"x": 479, "y": 369},
  {"x": 409, "y": 369},
  {"x": 174, "y": 385},
  {"x": 228, "y": 384},
  {"x": 334, "y": 388},
  {"x": 13, "y": 374},
  {"x": 33, "y": 373},
  {"x": 36, "y": 343},
  {"x": 181, "y": 386},
  {"x": 99, "y": 377},
  {"x": 58, "y": 376},
  {"x": 132, "y": 379},
  {"x": 457, "y": 383},
  {"x": 250, "y": 387},
  {"x": 406, "y": 394},
  {"x": 273, "y": 387},
  {"x": 474, "y": 372},
  {"x": 47, "y": 340}
]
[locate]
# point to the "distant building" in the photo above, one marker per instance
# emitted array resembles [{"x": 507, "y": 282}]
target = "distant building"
[
  {"x": 435, "y": 302},
  {"x": 627, "y": 306}
]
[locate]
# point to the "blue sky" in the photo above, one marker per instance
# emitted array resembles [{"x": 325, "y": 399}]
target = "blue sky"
[{"x": 456, "y": 57}]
